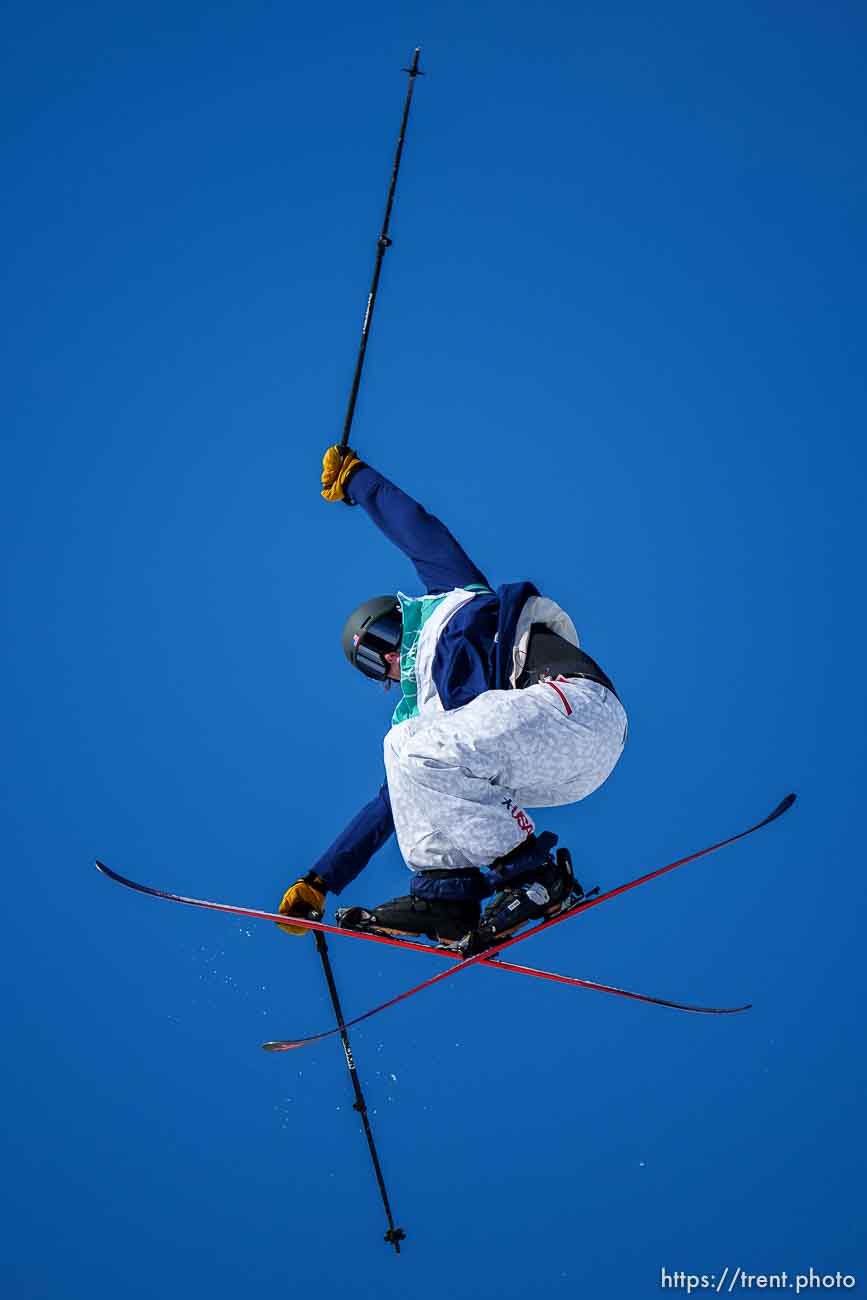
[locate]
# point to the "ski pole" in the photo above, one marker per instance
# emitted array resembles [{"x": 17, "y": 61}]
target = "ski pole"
[
  {"x": 381, "y": 245},
  {"x": 394, "y": 1236}
]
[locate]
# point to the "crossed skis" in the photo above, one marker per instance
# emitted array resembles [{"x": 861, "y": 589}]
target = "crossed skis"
[{"x": 490, "y": 957}]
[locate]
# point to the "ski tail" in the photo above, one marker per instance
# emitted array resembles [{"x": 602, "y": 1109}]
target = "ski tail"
[{"x": 572, "y": 980}]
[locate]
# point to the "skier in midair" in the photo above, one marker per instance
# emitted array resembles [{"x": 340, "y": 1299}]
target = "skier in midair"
[{"x": 500, "y": 709}]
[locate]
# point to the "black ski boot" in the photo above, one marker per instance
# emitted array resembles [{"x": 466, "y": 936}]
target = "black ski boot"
[
  {"x": 442, "y": 919},
  {"x": 444, "y": 906},
  {"x": 532, "y": 893}
]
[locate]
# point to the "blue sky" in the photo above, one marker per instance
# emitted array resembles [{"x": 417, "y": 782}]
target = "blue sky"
[{"x": 617, "y": 350}]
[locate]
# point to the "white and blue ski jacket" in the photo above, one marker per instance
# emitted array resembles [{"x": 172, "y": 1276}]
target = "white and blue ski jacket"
[{"x": 467, "y": 639}]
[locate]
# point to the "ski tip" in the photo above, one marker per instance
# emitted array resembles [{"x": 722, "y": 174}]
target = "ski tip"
[
  {"x": 783, "y": 806},
  {"x": 105, "y": 870}
]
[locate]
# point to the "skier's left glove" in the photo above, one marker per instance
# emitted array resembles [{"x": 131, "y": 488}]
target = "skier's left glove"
[
  {"x": 338, "y": 466},
  {"x": 305, "y": 896}
]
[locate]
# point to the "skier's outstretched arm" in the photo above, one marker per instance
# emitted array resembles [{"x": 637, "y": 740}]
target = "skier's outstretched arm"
[
  {"x": 357, "y": 843},
  {"x": 342, "y": 862},
  {"x": 439, "y": 559}
]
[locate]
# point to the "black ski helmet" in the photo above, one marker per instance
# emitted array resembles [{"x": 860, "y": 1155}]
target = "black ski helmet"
[{"x": 370, "y": 633}]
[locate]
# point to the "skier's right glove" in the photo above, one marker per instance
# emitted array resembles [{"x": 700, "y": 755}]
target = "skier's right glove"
[
  {"x": 338, "y": 466},
  {"x": 305, "y": 896}
]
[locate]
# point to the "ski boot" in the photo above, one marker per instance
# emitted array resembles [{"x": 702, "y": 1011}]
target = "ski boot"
[
  {"x": 532, "y": 892},
  {"x": 444, "y": 906},
  {"x": 445, "y": 921}
]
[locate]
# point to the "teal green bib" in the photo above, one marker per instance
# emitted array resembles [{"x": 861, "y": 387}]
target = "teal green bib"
[{"x": 415, "y": 612}]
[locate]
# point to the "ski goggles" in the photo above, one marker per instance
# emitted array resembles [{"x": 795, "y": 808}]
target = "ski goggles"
[{"x": 379, "y": 638}]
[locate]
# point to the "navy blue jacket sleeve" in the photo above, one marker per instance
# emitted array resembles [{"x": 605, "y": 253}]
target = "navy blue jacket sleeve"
[
  {"x": 356, "y": 845},
  {"x": 440, "y": 561}
]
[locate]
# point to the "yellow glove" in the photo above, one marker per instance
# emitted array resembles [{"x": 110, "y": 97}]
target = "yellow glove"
[
  {"x": 306, "y": 895},
  {"x": 338, "y": 465}
]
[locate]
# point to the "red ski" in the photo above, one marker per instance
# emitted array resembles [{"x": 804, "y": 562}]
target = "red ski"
[
  {"x": 490, "y": 953},
  {"x": 490, "y": 957},
  {"x": 323, "y": 927}
]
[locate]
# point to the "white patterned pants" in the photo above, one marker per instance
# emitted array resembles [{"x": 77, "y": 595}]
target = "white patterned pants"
[{"x": 459, "y": 780}]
